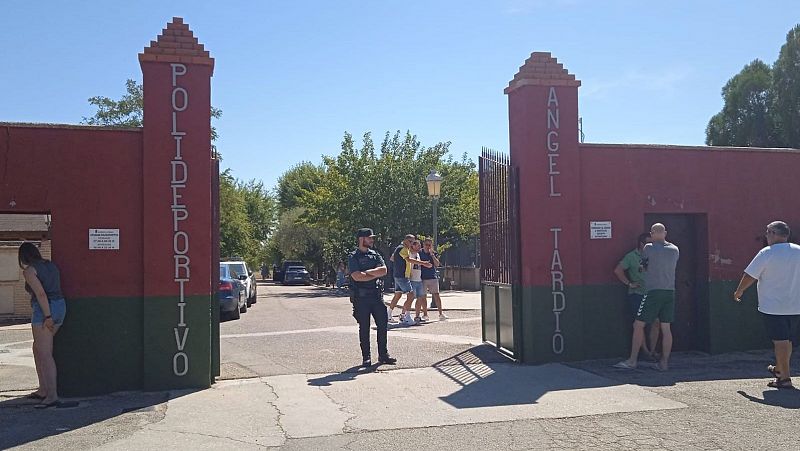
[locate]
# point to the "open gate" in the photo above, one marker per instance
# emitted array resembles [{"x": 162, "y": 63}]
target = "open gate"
[{"x": 499, "y": 226}]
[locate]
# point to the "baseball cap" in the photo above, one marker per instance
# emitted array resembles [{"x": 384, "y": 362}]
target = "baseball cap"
[{"x": 365, "y": 232}]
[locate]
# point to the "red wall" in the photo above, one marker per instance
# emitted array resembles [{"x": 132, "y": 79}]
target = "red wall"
[
  {"x": 741, "y": 191},
  {"x": 86, "y": 177}
]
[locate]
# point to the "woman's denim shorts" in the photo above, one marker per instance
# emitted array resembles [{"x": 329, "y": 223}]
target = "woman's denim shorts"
[{"x": 58, "y": 310}]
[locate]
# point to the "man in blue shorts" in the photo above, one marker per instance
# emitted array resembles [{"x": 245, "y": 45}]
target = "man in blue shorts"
[
  {"x": 401, "y": 270},
  {"x": 777, "y": 270}
]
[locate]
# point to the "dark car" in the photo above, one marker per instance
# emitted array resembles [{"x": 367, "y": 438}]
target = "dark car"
[
  {"x": 232, "y": 295},
  {"x": 279, "y": 272},
  {"x": 297, "y": 275}
]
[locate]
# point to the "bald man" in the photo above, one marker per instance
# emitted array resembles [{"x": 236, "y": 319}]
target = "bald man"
[{"x": 659, "y": 259}]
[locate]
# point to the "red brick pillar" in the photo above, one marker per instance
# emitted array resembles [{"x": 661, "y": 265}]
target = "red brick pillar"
[
  {"x": 177, "y": 160},
  {"x": 543, "y": 126}
]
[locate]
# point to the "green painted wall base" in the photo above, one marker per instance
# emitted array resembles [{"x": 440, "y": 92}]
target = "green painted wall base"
[
  {"x": 110, "y": 344},
  {"x": 164, "y": 361},
  {"x": 595, "y": 322},
  {"x": 99, "y": 348}
]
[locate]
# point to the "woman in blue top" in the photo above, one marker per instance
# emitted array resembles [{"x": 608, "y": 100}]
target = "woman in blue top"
[{"x": 43, "y": 282}]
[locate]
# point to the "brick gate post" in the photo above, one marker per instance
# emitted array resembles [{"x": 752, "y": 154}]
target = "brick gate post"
[
  {"x": 178, "y": 285},
  {"x": 543, "y": 130}
]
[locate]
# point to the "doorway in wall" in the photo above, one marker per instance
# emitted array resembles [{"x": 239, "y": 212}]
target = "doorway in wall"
[{"x": 690, "y": 233}]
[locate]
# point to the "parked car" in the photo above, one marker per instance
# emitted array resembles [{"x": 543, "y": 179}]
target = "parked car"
[
  {"x": 297, "y": 275},
  {"x": 279, "y": 272},
  {"x": 232, "y": 295},
  {"x": 238, "y": 270}
]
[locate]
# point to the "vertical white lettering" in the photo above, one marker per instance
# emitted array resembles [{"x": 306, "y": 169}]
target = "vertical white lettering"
[
  {"x": 180, "y": 239},
  {"x": 185, "y": 364},
  {"x": 185, "y": 98},
  {"x": 552, "y": 164},
  {"x": 175, "y": 131},
  {"x": 178, "y": 155},
  {"x": 552, "y": 119},
  {"x": 552, "y": 99},
  {"x": 183, "y": 171},
  {"x": 177, "y": 239},
  {"x": 552, "y": 146},
  {"x": 179, "y": 213},
  {"x": 177, "y": 71},
  {"x": 558, "y": 343},
  {"x": 180, "y": 342},
  {"x": 557, "y": 290},
  {"x": 181, "y": 262},
  {"x": 181, "y": 306}
]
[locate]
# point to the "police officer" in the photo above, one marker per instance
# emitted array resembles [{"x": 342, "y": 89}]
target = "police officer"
[{"x": 366, "y": 267}]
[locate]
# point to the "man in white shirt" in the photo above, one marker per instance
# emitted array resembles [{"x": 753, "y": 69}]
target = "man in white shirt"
[{"x": 777, "y": 270}]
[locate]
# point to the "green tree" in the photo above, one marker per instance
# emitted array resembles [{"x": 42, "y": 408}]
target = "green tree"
[
  {"x": 295, "y": 239},
  {"x": 297, "y": 183},
  {"x": 261, "y": 209},
  {"x": 128, "y": 111},
  {"x": 236, "y": 231},
  {"x": 786, "y": 84},
  {"x": 385, "y": 189},
  {"x": 745, "y": 119}
]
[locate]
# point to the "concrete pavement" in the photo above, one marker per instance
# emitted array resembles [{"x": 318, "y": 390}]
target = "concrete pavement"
[{"x": 293, "y": 385}]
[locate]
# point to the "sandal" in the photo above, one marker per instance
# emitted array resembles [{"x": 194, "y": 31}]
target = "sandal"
[
  {"x": 55, "y": 404},
  {"x": 780, "y": 383},
  {"x": 33, "y": 395},
  {"x": 773, "y": 370},
  {"x": 625, "y": 365}
]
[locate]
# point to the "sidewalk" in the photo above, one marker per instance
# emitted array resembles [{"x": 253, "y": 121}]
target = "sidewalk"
[
  {"x": 268, "y": 411},
  {"x": 704, "y": 402}
]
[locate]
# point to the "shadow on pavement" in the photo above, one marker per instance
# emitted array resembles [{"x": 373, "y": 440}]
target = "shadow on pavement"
[
  {"x": 21, "y": 423},
  {"x": 690, "y": 367},
  {"x": 316, "y": 292},
  {"x": 486, "y": 382},
  {"x": 345, "y": 376},
  {"x": 788, "y": 399}
]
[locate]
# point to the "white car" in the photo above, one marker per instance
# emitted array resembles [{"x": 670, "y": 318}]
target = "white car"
[{"x": 239, "y": 270}]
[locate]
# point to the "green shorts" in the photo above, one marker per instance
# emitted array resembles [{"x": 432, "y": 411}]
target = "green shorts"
[{"x": 657, "y": 304}]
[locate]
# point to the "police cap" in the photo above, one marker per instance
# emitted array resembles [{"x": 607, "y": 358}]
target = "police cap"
[{"x": 365, "y": 232}]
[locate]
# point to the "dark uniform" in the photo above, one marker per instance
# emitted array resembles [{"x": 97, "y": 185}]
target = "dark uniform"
[{"x": 367, "y": 299}]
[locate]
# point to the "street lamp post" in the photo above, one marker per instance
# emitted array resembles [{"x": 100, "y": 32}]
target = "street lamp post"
[{"x": 434, "y": 182}]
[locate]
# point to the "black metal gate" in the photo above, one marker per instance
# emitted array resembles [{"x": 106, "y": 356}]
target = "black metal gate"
[{"x": 500, "y": 280}]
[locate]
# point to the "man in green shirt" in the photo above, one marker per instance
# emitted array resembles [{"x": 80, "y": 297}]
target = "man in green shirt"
[{"x": 629, "y": 272}]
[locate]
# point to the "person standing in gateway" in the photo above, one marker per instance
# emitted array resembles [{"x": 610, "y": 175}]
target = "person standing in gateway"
[
  {"x": 659, "y": 260},
  {"x": 366, "y": 267}
]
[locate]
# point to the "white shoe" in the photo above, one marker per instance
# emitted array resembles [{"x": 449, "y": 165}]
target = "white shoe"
[
  {"x": 407, "y": 320},
  {"x": 425, "y": 318},
  {"x": 442, "y": 317}
]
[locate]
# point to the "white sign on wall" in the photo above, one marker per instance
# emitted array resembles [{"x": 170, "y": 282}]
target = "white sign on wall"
[
  {"x": 104, "y": 239},
  {"x": 600, "y": 230}
]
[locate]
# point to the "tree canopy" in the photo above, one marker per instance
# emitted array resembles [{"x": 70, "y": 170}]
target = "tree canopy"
[
  {"x": 762, "y": 103},
  {"x": 382, "y": 188}
]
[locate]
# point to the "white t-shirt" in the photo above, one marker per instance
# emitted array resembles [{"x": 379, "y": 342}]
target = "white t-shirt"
[
  {"x": 777, "y": 269},
  {"x": 416, "y": 270}
]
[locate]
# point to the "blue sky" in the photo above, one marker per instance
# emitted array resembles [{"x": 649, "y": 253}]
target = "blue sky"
[{"x": 292, "y": 77}]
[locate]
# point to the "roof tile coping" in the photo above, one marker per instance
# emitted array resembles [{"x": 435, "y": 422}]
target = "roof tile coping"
[
  {"x": 177, "y": 44},
  {"x": 541, "y": 69}
]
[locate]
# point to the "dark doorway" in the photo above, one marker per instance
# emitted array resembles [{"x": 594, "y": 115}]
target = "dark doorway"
[{"x": 690, "y": 233}]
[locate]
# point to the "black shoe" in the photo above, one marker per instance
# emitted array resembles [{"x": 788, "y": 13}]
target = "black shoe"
[
  {"x": 387, "y": 360},
  {"x": 366, "y": 362}
]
